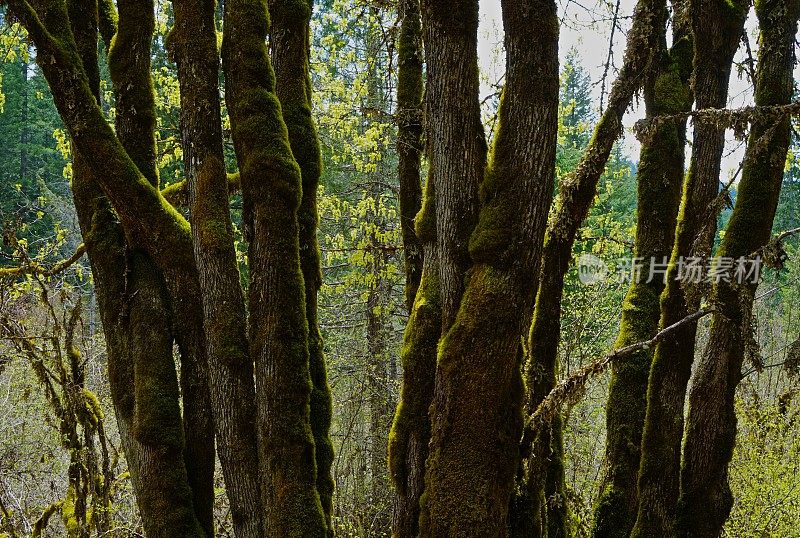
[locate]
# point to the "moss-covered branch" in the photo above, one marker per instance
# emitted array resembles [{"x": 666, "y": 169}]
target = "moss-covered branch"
[{"x": 177, "y": 194}]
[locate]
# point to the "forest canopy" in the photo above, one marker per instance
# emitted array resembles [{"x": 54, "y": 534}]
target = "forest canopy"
[{"x": 363, "y": 268}]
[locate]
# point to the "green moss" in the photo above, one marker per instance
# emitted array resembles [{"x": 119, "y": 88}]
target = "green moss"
[{"x": 425, "y": 221}]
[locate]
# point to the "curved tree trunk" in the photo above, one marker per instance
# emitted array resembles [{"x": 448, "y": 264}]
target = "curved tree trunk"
[
  {"x": 138, "y": 339},
  {"x": 706, "y": 499},
  {"x": 474, "y": 447},
  {"x": 290, "y": 42},
  {"x": 278, "y": 326},
  {"x": 717, "y": 27}
]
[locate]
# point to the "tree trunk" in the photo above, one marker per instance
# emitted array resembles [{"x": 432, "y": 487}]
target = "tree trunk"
[
  {"x": 660, "y": 178},
  {"x": 409, "y": 140},
  {"x": 717, "y": 27},
  {"x": 411, "y": 427},
  {"x": 456, "y": 139},
  {"x": 706, "y": 499},
  {"x": 474, "y": 447},
  {"x": 278, "y": 326},
  {"x": 290, "y": 42},
  {"x": 193, "y": 44}
]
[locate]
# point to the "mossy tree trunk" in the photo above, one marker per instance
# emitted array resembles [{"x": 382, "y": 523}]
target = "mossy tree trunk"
[
  {"x": 705, "y": 499},
  {"x": 138, "y": 337},
  {"x": 411, "y": 427},
  {"x": 290, "y": 47},
  {"x": 475, "y": 447},
  {"x": 717, "y": 27},
  {"x": 278, "y": 325},
  {"x": 660, "y": 181},
  {"x": 193, "y": 45},
  {"x": 575, "y": 197},
  {"x": 409, "y": 140}
]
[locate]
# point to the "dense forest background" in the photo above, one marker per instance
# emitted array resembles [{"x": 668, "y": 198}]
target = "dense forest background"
[{"x": 50, "y": 311}]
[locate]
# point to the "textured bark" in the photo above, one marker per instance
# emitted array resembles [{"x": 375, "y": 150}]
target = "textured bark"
[
  {"x": 409, "y": 140},
  {"x": 706, "y": 500},
  {"x": 660, "y": 182},
  {"x": 411, "y": 429},
  {"x": 193, "y": 44},
  {"x": 717, "y": 27},
  {"x": 474, "y": 448},
  {"x": 278, "y": 327},
  {"x": 138, "y": 340},
  {"x": 290, "y": 42},
  {"x": 456, "y": 142}
]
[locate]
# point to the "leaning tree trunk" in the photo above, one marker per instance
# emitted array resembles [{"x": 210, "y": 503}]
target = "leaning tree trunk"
[
  {"x": 278, "y": 325},
  {"x": 706, "y": 498},
  {"x": 717, "y": 28},
  {"x": 193, "y": 44},
  {"x": 474, "y": 447},
  {"x": 660, "y": 181},
  {"x": 290, "y": 42},
  {"x": 138, "y": 339}
]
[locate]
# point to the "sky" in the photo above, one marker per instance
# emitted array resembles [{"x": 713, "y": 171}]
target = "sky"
[{"x": 586, "y": 26}]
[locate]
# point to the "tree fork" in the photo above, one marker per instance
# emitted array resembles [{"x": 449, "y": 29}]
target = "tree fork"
[
  {"x": 474, "y": 449},
  {"x": 717, "y": 27}
]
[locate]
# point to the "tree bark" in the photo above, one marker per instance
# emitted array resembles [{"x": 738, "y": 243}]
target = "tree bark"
[
  {"x": 278, "y": 326},
  {"x": 290, "y": 43},
  {"x": 706, "y": 500},
  {"x": 474, "y": 448},
  {"x": 456, "y": 140},
  {"x": 193, "y": 44},
  {"x": 717, "y": 27}
]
